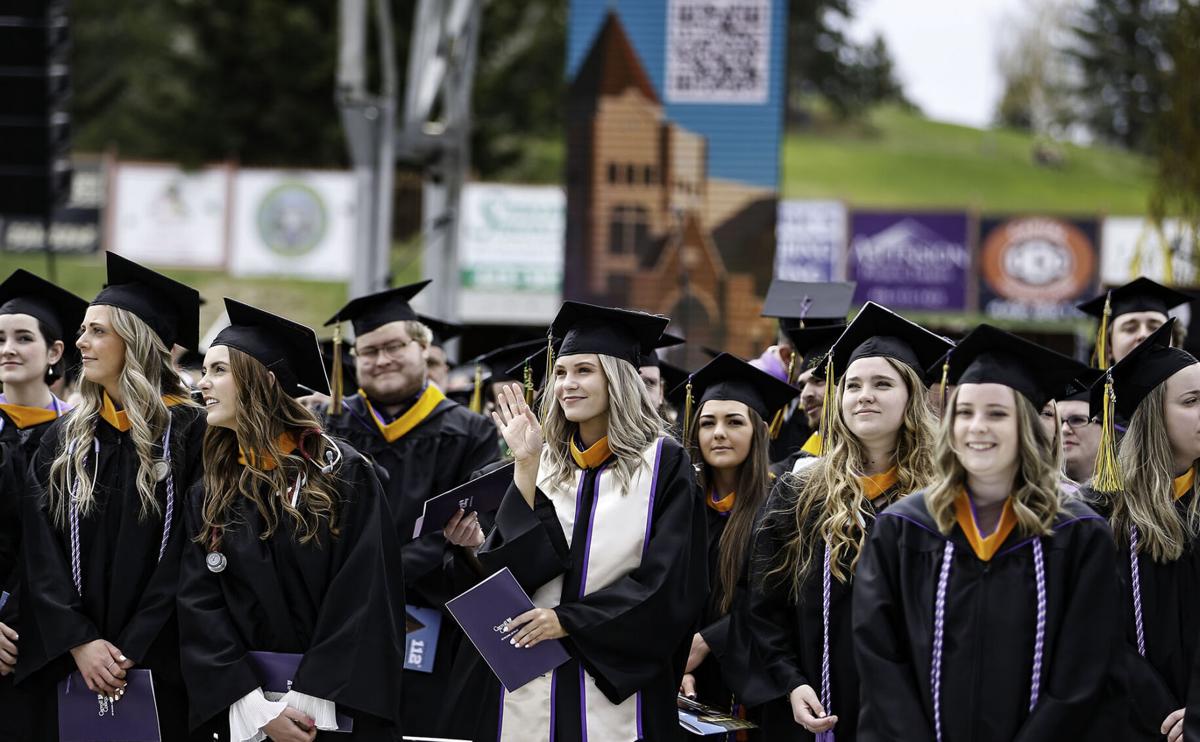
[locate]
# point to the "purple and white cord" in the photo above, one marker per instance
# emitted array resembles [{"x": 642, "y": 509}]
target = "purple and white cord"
[
  {"x": 826, "y": 685},
  {"x": 170, "y": 509},
  {"x": 1135, "y": 579},
  {"x": 1039, "y": 641},
  {"x": 939, "y": 633}
]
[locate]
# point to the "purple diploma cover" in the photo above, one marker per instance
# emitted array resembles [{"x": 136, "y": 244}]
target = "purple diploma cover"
[
  {"x": 484, "y": 612},
  {"x": 84, "y": 717},
  {"x": 481, "y": 495},
  {"x": 275, "y": 671}
]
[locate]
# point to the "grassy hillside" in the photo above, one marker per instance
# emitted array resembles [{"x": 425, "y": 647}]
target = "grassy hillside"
[{"x": 896, "y": 158}]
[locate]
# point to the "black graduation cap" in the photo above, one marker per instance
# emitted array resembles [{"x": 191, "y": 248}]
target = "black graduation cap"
[
  {"x": 55, "y": 307},
  {"x": 728, "y": 378},
  {"x": 288, "y": 349},
  {"x": 620, "y": 333},
  {"x": 666, "y": 341},
  {"x": 878, "y": 332},
  {"x": 989, "y": 355},
  {"x": 443, "y": 331},
  {"x": 673, "y": 380},
  {"x": 170, "y": 308},
  {"x": 1080, "y": 388},
  {"x": 798, "y": 304},
  {"x": 501, "y": 360},
  {"x": 812, "y": 343},
  {"x": 534, "y": 365},
  {"x": 1139, "y": 295},
  {"x": 372, "y": 311},
  {"x": 1149, "y": 364}
]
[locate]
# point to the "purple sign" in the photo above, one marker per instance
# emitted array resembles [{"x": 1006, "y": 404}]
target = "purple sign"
[{"x": 909, "y": 260}]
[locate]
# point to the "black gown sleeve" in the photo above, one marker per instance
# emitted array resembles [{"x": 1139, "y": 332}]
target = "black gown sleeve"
[
  {"x": 626, "y": 632},
  {"x": 52, "y": 616},
  {"x": 212, "y": 654},
  {"x": 358, "y": 642},
  {"x": 892, "y": 707},
  {"x": 529, "y": 541},
  {"x": 1080, "y": 663}
]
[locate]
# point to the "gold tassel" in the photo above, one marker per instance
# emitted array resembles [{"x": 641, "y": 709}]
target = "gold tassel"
[
  {"x": 1101, "y": 360},
  {"x": 335, "y": 402},
  {"x": 477, "y": 394},
  {"x": 1107, "y": 479},
  {"x": 776, "y": 423},
  {"x": 942, "y": 388},
  {"x": 687, "y": 414},
  {"x": 827, "y": 405},
  {"x": 529, "y": 390},
  {"x": 791, "y": 369}
]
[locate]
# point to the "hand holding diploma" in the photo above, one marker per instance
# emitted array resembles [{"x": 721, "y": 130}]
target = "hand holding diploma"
[
  {"x": 534, "y": 626},
  {"x": 8, "y": 649},
  {"x": 102, "y": 666},
  {"x": 464, "y": 530}
]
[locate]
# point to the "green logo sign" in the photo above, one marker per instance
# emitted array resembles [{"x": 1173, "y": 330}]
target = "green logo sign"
[{"x": 291, "y": 219}]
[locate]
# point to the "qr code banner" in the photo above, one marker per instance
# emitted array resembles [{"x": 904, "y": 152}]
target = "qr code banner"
[{"x": 718, "y": 51}]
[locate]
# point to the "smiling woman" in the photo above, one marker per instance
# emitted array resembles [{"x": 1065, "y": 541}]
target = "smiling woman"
[{"x": 1020, "y": 579}]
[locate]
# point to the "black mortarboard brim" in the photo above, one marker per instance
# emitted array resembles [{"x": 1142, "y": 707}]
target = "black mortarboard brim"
[
  {"x": 1139, "y": 295},
  {"x": 1149, "y": 364},
  {"x": 666, "y": 341},
  {"x": 796, "y": 303},
  {"x": 55, "y": 307},
  {"x": 728, "y": 378},
  {"x": 370, "y": 312},
  {"x": 878, "y": 332},
  {"x": 619, "y": 333},
  {"x": 442, "y": 331},
  {"x": 170, "y": 308},
  {"x": 288, "y": 349},
  {"x": 1080, "y": 388},
  {"x": 505, "y": 358},
  {"x": 812, "y": 343},
  {"x": 989, "y": 355}
]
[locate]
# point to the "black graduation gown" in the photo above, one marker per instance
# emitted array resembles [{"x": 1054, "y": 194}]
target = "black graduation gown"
[
  {"x": 631, "y": 636},
  {"x": 788, "y": 635},
  {"x": 989, "y": 630},
  {"x": 338, "y": 601},
  {"x": 1149, "y": 688},
  {"x": 128, "y": 592},
  {"x": 792, "y": 435},
  {"x": 17, "y": 446},
  {"x": 726, "y": 667},
  {"x": 437, "y": 455}
]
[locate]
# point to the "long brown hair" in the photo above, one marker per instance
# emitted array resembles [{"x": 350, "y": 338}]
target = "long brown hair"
[
  {"x": 752, "y": 483},
  {"x": 265, "y": 412},
  {"x": 828, "y": 503},
  {"x": 1148, "y": 470},
  {"x": 1035, "y": 496}
]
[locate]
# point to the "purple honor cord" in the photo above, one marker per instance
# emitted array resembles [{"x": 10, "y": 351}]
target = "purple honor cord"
[
  {"x": 76, "y": 562},
  {"x": 1135, "y": 580},
  {"x": 939, "y": 631},
  {"x": 826, "y": 691}
]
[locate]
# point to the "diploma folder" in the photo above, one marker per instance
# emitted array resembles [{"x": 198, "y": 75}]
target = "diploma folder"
[
  {"x": 705, "y": 721},
  {"x": 83, "y": 718},
  {"x": 275, "y": 671},
  {"x": 483, "y": 612},
  {"x": 482, "y": 495}
]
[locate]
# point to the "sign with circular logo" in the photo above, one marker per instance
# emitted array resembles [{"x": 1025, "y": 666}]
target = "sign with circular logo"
[
  {"x": 1039, "y": 259},
  {"x": 291, "y": 219}
]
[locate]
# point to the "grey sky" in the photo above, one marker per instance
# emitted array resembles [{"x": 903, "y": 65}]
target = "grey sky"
[{"x": 945, "y": 51}]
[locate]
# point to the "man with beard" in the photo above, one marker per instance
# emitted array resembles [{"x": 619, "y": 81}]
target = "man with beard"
[{"x": 426, "y": 444}]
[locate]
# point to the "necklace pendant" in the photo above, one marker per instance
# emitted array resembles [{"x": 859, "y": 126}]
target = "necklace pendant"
[
  {"x": 161, "y": 470},
  {"x": 216, "y": 562}
]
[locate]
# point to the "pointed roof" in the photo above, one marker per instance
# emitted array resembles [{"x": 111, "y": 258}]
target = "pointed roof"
[{"x": 612, "y": 65}]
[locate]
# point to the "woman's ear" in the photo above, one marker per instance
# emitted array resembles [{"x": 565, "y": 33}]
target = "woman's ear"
[
  {"x": 271, "y": 376},
  {"x": 54, "y": 353}
]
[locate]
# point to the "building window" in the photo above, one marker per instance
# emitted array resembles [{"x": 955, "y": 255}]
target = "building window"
[
  {"x": 648, "y": 175},
  {"x": 612, "y": 172},
  {"x": 628, "y": 230}
]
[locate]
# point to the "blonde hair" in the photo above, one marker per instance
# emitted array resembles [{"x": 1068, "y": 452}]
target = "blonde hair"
[
  {"x": 828, "y": 503},
  {"x": 265, "y": 412},
  {"x": 146, "y": 376},
  {"x": 1035, "y": 496},
  {"x": 1147, "y": 502},
  {"x": 633, "y": 424}
]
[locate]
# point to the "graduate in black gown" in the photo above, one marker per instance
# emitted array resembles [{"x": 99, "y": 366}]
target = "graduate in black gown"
[
  {"x": 603, "y": 527},
  {"x": 878, "y": 448},
  {"x": 1128, "y": 314},
  {"x": 104, "y": 502},
  {"x": 1154, "y": 512},
  {"x": 812, "y": 345},
  {"x": 35, "y": 318},
  {"x": 290, "y": 550},
  {"x": 985, "y": 607},
  {"x": 426, "y": 444},
  {"x": 728, "y": 436},
  {"x": 800, "y": 306}
]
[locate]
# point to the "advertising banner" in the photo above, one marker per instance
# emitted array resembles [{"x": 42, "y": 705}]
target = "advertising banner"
[
  {"x": 1132, "y": 247},
  {"x": 1036, "y": 267},
  {"x": 910, "y": 260},
  {"x": 163, "y": 215},
  {"x": 810, "y": 240}
]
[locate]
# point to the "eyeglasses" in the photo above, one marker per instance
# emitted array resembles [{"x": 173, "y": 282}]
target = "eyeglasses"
[
  {"x": 1075, "y": 422},
  {"x": 391, "y": 350}
]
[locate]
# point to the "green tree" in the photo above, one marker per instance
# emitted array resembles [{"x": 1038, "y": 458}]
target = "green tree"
[{"x": 1177, "y": 129}]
